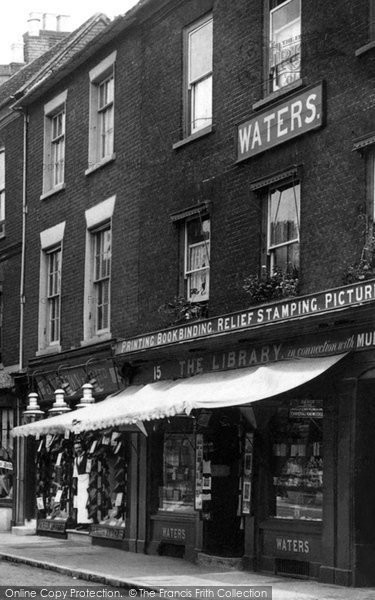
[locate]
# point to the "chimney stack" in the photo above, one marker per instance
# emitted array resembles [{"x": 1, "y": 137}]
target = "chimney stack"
[{"x": 44, "y": 31}]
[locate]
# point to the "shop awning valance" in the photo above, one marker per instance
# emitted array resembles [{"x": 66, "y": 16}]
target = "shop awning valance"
[{"x": 163, "y": 399}]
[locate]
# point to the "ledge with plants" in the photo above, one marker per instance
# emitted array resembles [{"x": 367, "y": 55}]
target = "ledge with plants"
[{"x": 272, "y": 285}]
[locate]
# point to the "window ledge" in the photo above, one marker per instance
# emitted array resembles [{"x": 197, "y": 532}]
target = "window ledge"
[
  {"x": 193, "y": 137},
  {"x": 49, "y": 350},
  {"x": 278, "y": 94},
  {"x": 96, "y": 339},
  {"x": 366, "y": 48},
  {"x": 55, "y": 190},
  {"x": 100, "y": 164}
]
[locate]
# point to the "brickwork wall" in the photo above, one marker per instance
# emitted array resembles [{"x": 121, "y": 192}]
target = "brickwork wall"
[
  {"x": 151, "y": 179},
  {"x": 11, "y": 137}
]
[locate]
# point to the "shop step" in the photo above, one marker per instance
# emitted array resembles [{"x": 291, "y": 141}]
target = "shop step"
[
  {"x": 75, "y": 535},
  {"x": 225, "y": 563}
]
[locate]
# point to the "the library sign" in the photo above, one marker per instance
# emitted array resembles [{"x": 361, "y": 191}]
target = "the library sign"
[
  {"x": 280, "y": 123},
  {"x": 294, "y": 308}
]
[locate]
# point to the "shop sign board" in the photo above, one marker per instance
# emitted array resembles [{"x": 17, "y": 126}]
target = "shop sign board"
[
  {"x": 278, "y": 124},
  {"x": 325, "y": 302},
  {"x": 101, "y": 374},
  {"x": 291, "y": 544}
]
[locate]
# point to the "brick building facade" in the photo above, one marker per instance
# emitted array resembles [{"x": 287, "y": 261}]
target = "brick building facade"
[{"x": 193, "y": 149}]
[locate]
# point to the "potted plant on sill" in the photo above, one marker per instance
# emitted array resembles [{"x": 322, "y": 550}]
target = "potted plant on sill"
[
  {"x": 272, "y": 285},
  {"x": 180, "y": 310}
]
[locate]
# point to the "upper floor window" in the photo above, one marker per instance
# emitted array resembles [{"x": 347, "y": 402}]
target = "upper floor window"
[
  {"x": 372, "y": 20},
  {"x": 197, "y": 258},
  {"x": 198, "y": 75},
  {"x": 285, "y": 43},
  {"x": 101, "y": 277},
  {"x": 101, "y": 137},
  {"x": 54, "y": 144},
  {"x": 2, "y": 192},
  {"x": 283, "y": 238},
  {"x": 98, "y": 264},
  {"x": 53, "y": 294},
  {"x": 50, "y": 288}
]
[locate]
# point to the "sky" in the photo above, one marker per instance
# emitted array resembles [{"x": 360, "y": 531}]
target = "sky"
[{"x": 14, "y": 15}]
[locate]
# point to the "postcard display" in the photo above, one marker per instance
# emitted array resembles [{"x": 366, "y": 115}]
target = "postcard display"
[
  {"x": 204, "y": 471},
  {"x": 54, "y": 499},
  {"x": 298, "y": 461},
  {"x": 56, "y": 483}
]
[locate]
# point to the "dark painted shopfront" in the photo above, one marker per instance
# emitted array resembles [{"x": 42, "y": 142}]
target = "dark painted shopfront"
[{"x": 259, "y": 444}]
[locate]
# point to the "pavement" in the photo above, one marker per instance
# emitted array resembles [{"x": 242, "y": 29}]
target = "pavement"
[{"x": 131, "y": 571}]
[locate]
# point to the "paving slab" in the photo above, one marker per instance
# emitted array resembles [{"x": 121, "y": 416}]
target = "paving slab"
[{"x": 128, "y": 570}]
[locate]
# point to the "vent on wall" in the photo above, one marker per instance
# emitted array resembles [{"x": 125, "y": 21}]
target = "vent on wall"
[{"x": 292, "y": 568}]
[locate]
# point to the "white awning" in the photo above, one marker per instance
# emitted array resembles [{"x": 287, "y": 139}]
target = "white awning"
[{"x": 163, "y": 399}]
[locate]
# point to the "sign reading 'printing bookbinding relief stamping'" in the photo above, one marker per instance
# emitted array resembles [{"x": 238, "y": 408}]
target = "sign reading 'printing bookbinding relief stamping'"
[{"x": 280, "y": 123}]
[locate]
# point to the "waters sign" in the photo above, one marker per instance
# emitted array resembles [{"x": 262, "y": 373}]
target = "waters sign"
[{"x": 280, "y": 123}]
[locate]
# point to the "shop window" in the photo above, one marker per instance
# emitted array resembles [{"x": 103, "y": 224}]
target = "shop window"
[
  {"x": 283, "y": 235},
  {"x": 6, "y": 454},
  {"x": 2, "y": 192},
  {"x": 177, "y": 492},
  {"x": 198, "y": 75},
  {"x": 297, "y": 461},
  {"x": 284, "y": 43},
  {"x": 101, "y": 136},
  {"x": 54, "y": 144},
  {"x": 197, "y": 258}
]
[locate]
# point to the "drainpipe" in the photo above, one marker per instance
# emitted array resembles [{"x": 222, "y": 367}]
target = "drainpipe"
[{"x": 20, "y": 452}]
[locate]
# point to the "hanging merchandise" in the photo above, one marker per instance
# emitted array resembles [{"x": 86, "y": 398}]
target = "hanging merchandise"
[
  {"x": 54, "y": 483},
  {"x": 106, "y": 466},
  {"x": 247, "y": 473}
]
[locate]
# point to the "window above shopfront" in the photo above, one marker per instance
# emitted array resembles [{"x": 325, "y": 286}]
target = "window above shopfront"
[
  {"x": 283, "y": 235},
  {"x": 284, "y": 43}
]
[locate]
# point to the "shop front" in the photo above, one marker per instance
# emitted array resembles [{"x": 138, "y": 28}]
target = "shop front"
[{"x": 245, "y": 439}]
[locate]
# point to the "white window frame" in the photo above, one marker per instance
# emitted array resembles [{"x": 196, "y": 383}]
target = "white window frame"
[
  {"x": 272, "y": 248},
  {"x": 51, "y": 241},
  {"x": 100, "y": 153},
  {"x": 2, "y": 192},
  {"x": 54, "y": 164},
  {"x": 275, "y": 85},
  {"x": 54, "y": 294},
  {"x": 192, "y": 85},
  {"x": 190, "y": 272},
  {"x": 98, "y": 219}
]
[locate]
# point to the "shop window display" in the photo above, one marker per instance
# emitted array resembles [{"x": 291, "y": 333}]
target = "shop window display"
[
  {"x": 297, "y": 460},
  {"x": 82, "y": 481},
  {"x": 177, "y": 491}
]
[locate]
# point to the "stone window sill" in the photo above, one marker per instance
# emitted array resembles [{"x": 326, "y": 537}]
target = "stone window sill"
[
  {"x": 101, "y": 164},
  {"x": 366, "y": 48},
  {"x": 55, "y": 190},
  {"x": 193, "y": 137},
  {"x": 278, "y": 94}
]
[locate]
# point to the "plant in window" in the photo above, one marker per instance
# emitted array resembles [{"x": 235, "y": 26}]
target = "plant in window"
[
  {"x": 181, "y": 310},
  {"x": 272, "y": 285},
  {"x": 364, "y": 268}
]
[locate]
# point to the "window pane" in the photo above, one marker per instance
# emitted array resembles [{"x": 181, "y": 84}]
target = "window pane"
[
  {"x": 200, "y": 51},
  {"x": 58, "y": 161},
  {"x": 284, "y": 215},
  {"x": 2, "y": 170},
  {"x": 201, "y": 109},
  {"x": 177, "y": 492},
  {"x": 285, "y": 43},
  {"x": 286, "y": 257},
  {"x": 106, "y": 124},
  {"x": 297, "y": 462},
  {"x": 2, "y": 206},
  {"x": 199, "y": 286}
]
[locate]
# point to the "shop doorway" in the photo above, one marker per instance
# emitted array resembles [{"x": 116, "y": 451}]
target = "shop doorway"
[{"x": 222, "y": 533}]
